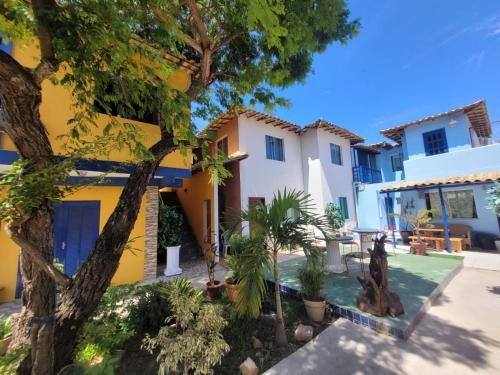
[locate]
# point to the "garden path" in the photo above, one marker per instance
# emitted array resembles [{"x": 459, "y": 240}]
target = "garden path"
[{"x": 459, "y": 335}]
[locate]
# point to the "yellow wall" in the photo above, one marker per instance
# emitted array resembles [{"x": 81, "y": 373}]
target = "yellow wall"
[
  {"x": 197, "y": 190},
  {"x": 131, "y": 268},
  {"x": 56, "y": 109}
]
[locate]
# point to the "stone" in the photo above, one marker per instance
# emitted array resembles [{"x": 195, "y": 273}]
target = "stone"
[
  {"x": 249, "y": 367},
  {"x": 304, "y": 333},
  {"x": 257, "y": 344}
]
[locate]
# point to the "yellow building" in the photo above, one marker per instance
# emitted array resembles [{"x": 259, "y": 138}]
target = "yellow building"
[{"x": 80, "y": 217}]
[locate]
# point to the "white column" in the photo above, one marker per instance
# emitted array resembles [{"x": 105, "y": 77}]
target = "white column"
[{"x": 216, "y": 221}]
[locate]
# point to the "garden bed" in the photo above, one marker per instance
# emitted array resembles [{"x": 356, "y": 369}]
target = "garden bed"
[{"x": 238, "y": 334}]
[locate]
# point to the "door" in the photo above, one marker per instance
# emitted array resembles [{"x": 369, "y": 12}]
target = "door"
[
  {"x": 76, "y": 228},
  {"x": 252, "y": 202},
  {"x": 389, "y": 205}
]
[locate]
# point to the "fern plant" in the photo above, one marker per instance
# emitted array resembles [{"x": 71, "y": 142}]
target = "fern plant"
[
  {"x": 192, "y": 341},
  {"x": 5, "y": 328}
]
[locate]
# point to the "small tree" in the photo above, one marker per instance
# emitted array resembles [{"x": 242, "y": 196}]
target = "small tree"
[
  {"x": 422, "y": 217},
  {"x": 284, "y": 223},
  {"x": 192, "y": 339},
  {"x": 334, "y": 216}
]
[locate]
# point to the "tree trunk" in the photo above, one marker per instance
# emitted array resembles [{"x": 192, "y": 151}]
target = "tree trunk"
[
  {"x": 20, "y": 98},
  {"x": 79, "y": 301},
  {"x": 281, "y": 339}
]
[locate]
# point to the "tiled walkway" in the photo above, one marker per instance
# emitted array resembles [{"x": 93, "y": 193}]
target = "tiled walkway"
[{"x": 459, "y": 335}]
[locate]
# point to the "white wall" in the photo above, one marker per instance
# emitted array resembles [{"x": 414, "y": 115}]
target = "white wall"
[
  {"x": 259, "y": 176},
  {"x": 336, "y": 180}
]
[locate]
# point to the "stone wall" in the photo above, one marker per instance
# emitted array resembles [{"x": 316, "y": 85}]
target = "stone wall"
[{"x": 151, "y": 236}]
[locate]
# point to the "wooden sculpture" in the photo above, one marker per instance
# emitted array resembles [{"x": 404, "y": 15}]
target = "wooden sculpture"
[{"x": 376, "y": 298}]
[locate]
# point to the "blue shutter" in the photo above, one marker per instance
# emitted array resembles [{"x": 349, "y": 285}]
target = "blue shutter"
[
  {"x": 342, "y": 204},
  {"x": 435, "y": 142},
  {"x": 280, "y": 154},
  {"x": 269, "y": 152},
  {"x": 335, "y": 154},
  {"x": 6, "y": 47}
]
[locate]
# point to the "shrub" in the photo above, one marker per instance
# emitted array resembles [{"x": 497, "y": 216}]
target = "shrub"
[
  {"x": 248, "y": 263},
  {"x": 149, "y": 310},
  {"x": 312, "y": 280},
  {"x": 334, "y": 216},
  {"x": 192, "y": 339},
  {"x": 169, "y": 227},
  {"x": 494, "y": 199},
  {"x": 5, "y": 328}
]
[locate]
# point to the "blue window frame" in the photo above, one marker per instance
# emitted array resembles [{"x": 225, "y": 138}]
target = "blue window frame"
[
  {"x": 397, "y": 162},
  {"x": 336, "y": 154},
  {"x": 274, "y": 148},
  {"x": 435, "y": 142},
  {"x": 342, "y": 205},
  {"x": 6, "y": 47}
]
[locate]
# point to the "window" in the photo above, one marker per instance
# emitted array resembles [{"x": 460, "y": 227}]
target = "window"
[
  {"x": 342, "y": 205},
  {"x": 459, "y": 204},
  {"x": 336, "y": 154},
  {"x": 397, "y": 162},
  {"x": 222, "y": 146},
  {"x": 435, "y": 142},
  {"x": 274, "y": 148}
]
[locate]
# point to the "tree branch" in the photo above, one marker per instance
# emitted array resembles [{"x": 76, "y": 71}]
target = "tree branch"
[
  {"x": 229, "y": 39},
  {"x": 59, "y": 277},
  {"x": 186, "y": 38},
  {"x": 48, "y": 65},
  {"x": 199, "y": 24}
]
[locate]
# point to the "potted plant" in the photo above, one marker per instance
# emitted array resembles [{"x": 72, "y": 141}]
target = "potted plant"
[
  {"x": 209, "y": 254},
  {"x": 334, "y": 217},
  {"x": 5, "y": 335},
  {"x": 312, "y": 277},
  {"x": 169, "y": 237},
  {"x": 422, "y": 217}
]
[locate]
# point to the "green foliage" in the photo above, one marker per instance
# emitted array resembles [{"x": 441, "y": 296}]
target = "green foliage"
[
  {"x": 248, "y": 262},
  {"x": 312, "y": 277},
  {"x": 192, "y": 340},
  {"x": 5, "y": 327},
  {"x": 149, "y": 310},
  {"x": 334, "y": 216},
  {"x": 169, "y": 226},
  {"x": 9, "y": 362},
  {"x": 493, "y": 198}
]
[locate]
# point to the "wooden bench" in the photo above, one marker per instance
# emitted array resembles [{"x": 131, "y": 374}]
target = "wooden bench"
[{"x": 439, "y": 243}]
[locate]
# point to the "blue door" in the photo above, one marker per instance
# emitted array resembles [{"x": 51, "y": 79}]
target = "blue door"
[
  {"x": 389, "y": 204},
  {"x": 76, "y": 228}
]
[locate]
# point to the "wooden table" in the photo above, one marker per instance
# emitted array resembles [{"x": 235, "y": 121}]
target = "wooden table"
[
  {"x": 366, "y": 236},
  {"x": 333, "y": 258}
]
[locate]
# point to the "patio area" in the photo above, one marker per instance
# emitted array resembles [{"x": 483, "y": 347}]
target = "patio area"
[{"x": 417, "y": 279}]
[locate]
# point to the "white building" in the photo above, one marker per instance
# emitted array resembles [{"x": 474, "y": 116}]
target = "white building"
[{"x": 267, "y": 154}]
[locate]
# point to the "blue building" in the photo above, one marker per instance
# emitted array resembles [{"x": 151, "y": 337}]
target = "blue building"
[{"x": 445, "y": 162}]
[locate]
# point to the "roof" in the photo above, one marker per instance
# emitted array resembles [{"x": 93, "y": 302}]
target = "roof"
[
  {"x": 375, "y": 147},
  {"x": 447, "y": 181},
  {"x": 335, "y": 129},
  {"x": 237, "y": 156},
  {"x": 476, "y": 113},
  {"x": 249, "y": 113}
]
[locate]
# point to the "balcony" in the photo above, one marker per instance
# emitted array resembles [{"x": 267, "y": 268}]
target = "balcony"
[{"x": 366, "y": 175}]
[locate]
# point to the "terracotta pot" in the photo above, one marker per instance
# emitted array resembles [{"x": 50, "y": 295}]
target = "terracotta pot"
[
  {"x": 4, "y": 344},
  {"x": 214, "y": 291},
  {"x": 315, "y": 309},
  {"x": 231, "y": 289},
  {"x": 419, "y": 247}
]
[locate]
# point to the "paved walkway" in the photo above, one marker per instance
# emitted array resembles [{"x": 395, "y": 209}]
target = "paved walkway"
[{"x": 459, "y": 335}]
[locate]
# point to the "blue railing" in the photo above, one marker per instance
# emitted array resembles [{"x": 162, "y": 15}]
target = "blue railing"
[{"x": 366, "y": 175}]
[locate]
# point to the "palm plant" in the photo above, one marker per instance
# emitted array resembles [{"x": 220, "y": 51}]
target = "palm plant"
[
  {"x": 284, "y": 223},
  {"x": 248, "y": 262}
]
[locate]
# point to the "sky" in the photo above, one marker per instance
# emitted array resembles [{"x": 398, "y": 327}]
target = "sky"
[{"x": 410, "y": 59}]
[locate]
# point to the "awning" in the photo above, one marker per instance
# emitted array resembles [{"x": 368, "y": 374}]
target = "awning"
[{"x": 476, "y": 178}]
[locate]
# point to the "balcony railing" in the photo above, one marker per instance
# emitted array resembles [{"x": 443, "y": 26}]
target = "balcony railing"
[{"x": 366, "y": 175}]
